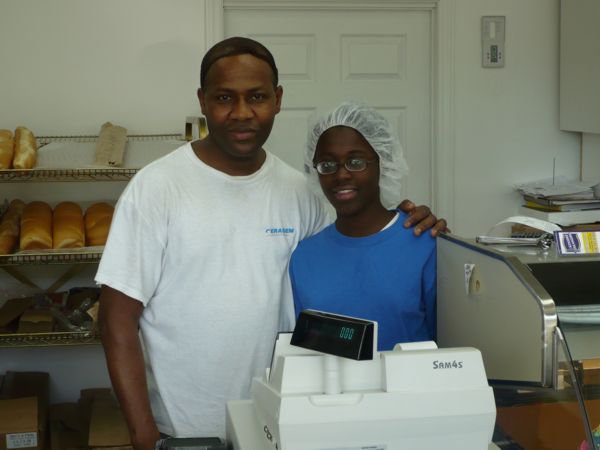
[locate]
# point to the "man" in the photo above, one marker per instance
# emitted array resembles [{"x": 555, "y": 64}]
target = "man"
[{"x": 197, "y": 257}]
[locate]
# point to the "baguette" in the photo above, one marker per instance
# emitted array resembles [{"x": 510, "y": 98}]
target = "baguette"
[
  {"x": 7, "y": 149},
  {"x": 9, "y": 227},
  {"x": 67, "y": 226},
  {"x": 25, "y": 155},
  {"x": 36, "y": 226},
  {"x": 97, "y": 223}
]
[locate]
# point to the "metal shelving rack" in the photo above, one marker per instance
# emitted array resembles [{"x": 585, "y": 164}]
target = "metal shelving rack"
[
  {"x": 51, "y": 257},
  {"x": 74, "y": 257},
  {"x": 80, "y": 174},
  {"x": 45, "y": 175},
  {"x": 49, "y": 339}
]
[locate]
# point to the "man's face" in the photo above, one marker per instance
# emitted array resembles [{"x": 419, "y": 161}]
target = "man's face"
[
  {"x": 350, "y": 193},
  {"x": 240, "y": 104}
]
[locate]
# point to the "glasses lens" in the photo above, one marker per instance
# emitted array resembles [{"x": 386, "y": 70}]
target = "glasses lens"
[
  {"x": 327, "y": 167},
  {"x": 356, "y": 164}
]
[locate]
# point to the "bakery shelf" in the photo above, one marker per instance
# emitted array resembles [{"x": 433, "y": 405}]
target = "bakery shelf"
[
  {"x": 44, "y": 140},
  {"x": 54, "y": 257},
  {"x": 49, "y": 339},
  {"x": 110, "y": 174},
  {"x": 49, "y": 174}
]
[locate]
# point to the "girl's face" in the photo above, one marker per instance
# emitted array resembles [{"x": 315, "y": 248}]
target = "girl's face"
[{"x": 350, "y": 192}]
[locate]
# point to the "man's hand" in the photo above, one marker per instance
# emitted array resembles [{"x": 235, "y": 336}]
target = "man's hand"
[{"x": 422, "y": 219}]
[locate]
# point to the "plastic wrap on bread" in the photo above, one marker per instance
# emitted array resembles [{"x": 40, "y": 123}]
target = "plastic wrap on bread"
[
  {"x": 36, "y": 226},
  {"x": 97, "y": 223},
  {"x": 10, "y": 226},
  {"x": 25, "y": 156},
  {"x": 7, "y": 149},
  {"x": 67, "y": 226}
]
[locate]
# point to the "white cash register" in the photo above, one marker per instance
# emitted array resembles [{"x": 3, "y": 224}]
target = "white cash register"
[{"x": 328, "y": 388}]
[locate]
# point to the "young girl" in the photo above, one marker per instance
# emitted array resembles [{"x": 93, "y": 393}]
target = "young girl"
[{"x": 366, "y": 264}]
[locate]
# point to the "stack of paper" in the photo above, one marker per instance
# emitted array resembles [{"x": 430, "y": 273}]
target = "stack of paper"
[
  {"x": 561, "y": 189},
  {"x": 561, "y": 201}
]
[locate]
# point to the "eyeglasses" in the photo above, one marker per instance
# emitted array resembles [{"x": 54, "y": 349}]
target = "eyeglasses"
[{"x": 351, "y": 165}]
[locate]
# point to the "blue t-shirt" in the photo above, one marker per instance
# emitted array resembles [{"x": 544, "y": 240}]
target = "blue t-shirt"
[{"x": 389, "y": 277}]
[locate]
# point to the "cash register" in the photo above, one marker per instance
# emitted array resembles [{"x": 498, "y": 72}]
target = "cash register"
[{"x": 328, "y": 388}]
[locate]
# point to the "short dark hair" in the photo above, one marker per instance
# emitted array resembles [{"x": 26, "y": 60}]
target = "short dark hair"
[{"x": 237, "y": 46}]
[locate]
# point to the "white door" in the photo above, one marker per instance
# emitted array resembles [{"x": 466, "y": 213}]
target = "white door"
[{"x": 325, "y": 56}]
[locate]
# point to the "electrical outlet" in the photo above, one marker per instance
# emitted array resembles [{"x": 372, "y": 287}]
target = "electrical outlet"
[{"x": 492, "y": 41}]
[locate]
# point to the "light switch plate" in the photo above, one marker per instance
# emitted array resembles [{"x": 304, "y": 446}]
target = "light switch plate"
[{"x": 492, "y": 41}]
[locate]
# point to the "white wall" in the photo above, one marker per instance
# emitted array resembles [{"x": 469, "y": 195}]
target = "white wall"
[
  {"x": 506, "y": 119},
  {"x": 68, "y": 66},
  {"x": 591, "y": 157}
]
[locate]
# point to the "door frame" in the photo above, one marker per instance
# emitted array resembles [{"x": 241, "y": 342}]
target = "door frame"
[{"x": 442, "y": 13}]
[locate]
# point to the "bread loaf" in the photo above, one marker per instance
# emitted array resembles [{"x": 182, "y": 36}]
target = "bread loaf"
[
  {"x": 7, "y": 149},
  {"x": 25, "y": 155},
  {"x": 9, "y": 227},
  {"x": 97, "y": 223},
  {"x": 67, "y": 226},
  {"x": 36, "y": 226}
]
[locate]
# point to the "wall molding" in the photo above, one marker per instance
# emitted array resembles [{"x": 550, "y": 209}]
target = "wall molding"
[
  {"x": 214, "y": 22},
  {"x": 317, "y": 5},
  {"x": 444, "y": 108}
]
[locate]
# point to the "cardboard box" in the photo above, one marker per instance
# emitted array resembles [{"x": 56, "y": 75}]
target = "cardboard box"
[
  {"x": 36, "y": 321},
  {"x": 68, "y": 429},
  {"x": 108, "y": 429},
  {"x": 86, "y": 400},
  {"x": 19, "y": 424},
  {"x": 12, "y": 308},
  {"x": 591, "y": 371},
  {"x": 24, "y": 410}
]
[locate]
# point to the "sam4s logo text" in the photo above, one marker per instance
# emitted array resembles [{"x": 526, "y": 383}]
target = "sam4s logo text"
[{"x": 447, "y": 364}]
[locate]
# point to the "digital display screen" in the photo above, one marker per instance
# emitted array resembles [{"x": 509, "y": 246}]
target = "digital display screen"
[{"x": 334, "y": 334}]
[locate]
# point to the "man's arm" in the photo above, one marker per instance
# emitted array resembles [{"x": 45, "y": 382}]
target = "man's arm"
[
  {"x": 118, "y": 321},
  {"x": 422, "y": 219}
]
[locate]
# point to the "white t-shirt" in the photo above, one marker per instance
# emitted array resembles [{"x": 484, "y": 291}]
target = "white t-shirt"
[{"x": 207, "y": 254}]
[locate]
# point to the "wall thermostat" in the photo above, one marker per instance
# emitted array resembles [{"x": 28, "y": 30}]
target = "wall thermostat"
[{"x": 492, "y": 41}]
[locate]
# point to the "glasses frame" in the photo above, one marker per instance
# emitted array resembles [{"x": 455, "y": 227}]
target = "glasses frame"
[{"x": 345, "y": 164}]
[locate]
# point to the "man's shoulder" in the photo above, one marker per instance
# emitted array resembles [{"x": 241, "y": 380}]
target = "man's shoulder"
[
  {"x": 284, "y": 169},
  {"x": 316, "y": 241},
  {"x": 174, "y": 157},
  {"x": 163, "y": 168},
  {"x": 406, "y": 239}
]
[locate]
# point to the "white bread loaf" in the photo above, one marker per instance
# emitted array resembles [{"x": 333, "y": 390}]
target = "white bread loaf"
[
  {"x": 36, "y": 226},
  {"x": 25, "y": 155},
  {"x": 9, "y": 226},
  {"x": 7, "y": 149},
  {"x": 67, "y": 226},
  {"x": 97, "y": 223}
]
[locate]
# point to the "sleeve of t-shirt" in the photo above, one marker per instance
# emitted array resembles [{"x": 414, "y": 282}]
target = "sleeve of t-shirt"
[
  {"x": 429, "y": 289},
  {"x": 132, "y": 258},
  {"x": 321, "y": 216}
]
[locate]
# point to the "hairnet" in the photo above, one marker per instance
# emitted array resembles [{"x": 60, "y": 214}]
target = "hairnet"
[{"x": 378, "y": 133}]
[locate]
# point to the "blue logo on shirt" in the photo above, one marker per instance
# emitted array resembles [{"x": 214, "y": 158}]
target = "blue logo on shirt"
[{"x": 282, "y": 231}]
